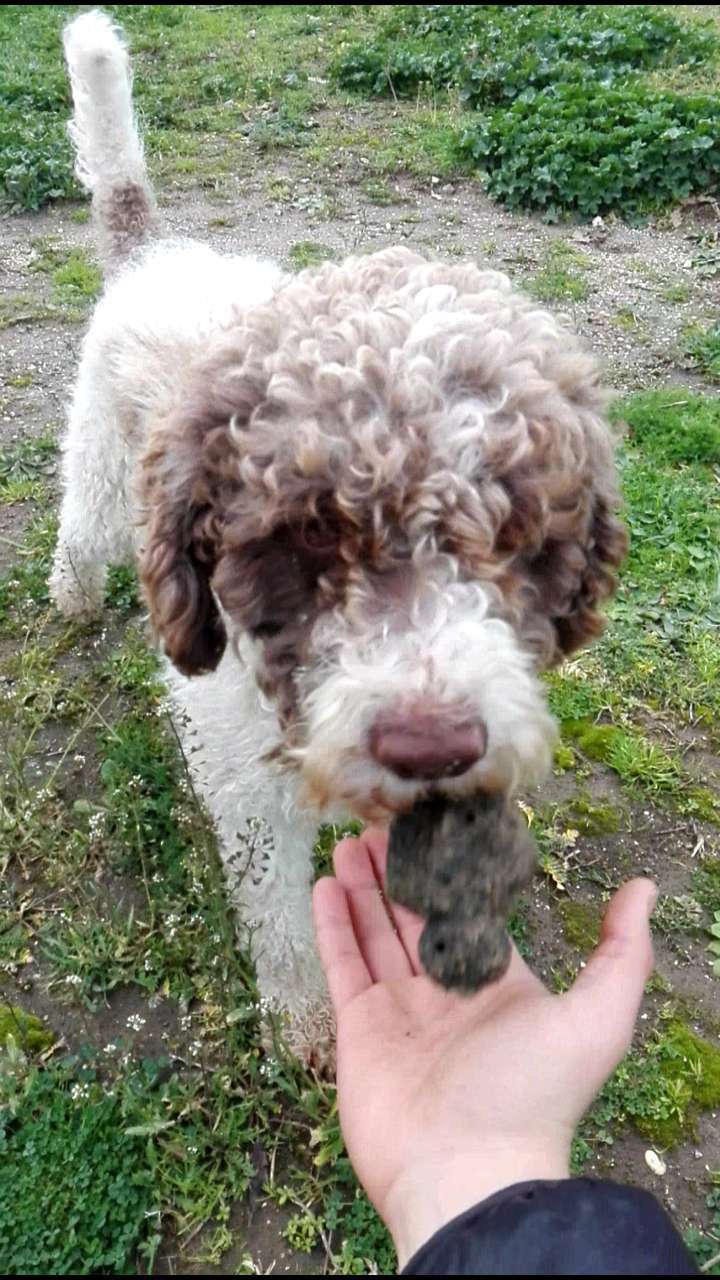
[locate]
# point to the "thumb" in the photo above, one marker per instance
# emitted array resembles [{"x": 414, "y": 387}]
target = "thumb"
[{"x": 605, "y": 998}]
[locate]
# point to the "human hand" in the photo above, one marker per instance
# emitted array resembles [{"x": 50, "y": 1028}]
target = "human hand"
[{"x": 445, "y": 1099}]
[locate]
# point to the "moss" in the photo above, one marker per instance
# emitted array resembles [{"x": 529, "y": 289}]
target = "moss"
[
  {"x": 23, "y": 1029},
  {"x": 690, "y": 1072},
  {"x": 592, "y": 819},
  {"x": 596, "y": 741},
  {"x": 581, "y": 924},
  {"x": 700, "y": 802},
  {"x": 564, "y": 757}
]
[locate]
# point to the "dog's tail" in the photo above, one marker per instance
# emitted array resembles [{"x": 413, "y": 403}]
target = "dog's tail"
[{"x": 109, "y": 153}]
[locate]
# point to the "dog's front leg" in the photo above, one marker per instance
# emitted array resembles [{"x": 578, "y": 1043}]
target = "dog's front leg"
[{"x": 266, "y": 842}]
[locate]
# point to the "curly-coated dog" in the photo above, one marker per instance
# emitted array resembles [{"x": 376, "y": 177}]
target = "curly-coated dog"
[{"x": 370, "y": 503}]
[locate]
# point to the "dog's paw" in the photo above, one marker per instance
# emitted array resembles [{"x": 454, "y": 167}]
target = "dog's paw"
[{"x": 309, "y": 1035}]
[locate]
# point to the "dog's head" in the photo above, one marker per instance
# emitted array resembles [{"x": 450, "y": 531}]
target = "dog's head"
[{"x": 396, "y": 481}]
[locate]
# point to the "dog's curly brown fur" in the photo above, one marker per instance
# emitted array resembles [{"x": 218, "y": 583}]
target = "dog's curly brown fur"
[{"x": 307, "y": 452}]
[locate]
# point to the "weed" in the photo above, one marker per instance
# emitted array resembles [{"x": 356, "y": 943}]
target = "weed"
[
  {"x": 19, "y": 309},
  {"x": 659, "y": 1089},
  {"x": 680, "y": 913},
  {"x": 714, "y": 946},
  {"x": 704, "y": 348},
  {"x": 24, "y": 466},
  {"x": 705, "y": 1244},
  {"x": 706, "y": 883},
  {"x": 678, "y": 292}
]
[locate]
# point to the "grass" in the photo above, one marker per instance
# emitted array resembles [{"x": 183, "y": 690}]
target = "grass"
[
  {"x": 562, "y": 276},
  {"x": 306, "y": 253},
  {"x": 203, "y": 73},
  {"x": 274, "y": 79}
]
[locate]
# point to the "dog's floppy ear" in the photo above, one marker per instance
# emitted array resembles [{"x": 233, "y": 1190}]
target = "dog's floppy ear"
[
  {"x": 564, "y": 527},
  {"x": 181, "y": 548}
]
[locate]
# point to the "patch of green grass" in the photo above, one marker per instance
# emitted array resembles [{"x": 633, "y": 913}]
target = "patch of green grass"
[
  {"x": 660, "y": 651},
  {"x": 594, "y": 818},
  {"x": 713, "y": 931},
  {"x": 306, "y": 253},
  {"x": 562, "y": 276},
  {"x": 704, "y": 348},
  {"x": 679, "y": 913},
  {"x": 328, "y": 836},
  {"x": 677, "y": 292},
  {"x": 18, "y": 309},
  {"x": 25, "y": 585},
  {"x": 672, "y": 425},
  {"x": 541, "y": 72},
  {"x": 199, "y": 71},
  {"x": 76, "y": 279},
  {"x": 519, "y": 928},
  {"x": 625, "y": 318},
  {"x": 641, "y": 764},
  {"x": 123, "y": 592},
  {"x": 381, "y": 192}
]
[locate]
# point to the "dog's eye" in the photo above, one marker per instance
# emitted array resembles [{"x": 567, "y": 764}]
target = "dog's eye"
[
  {"x": 317, "y": 538},
  {"x": 266, "y": 630}
]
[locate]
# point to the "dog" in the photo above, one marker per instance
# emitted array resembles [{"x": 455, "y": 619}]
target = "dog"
[{"x": 370, "y": 504}]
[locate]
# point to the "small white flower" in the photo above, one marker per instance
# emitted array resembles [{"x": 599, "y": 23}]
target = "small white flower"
[{"x": 135, "y": 1022}]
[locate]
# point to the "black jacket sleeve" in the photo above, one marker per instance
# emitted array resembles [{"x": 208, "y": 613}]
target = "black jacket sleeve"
[{"x": 579, "y": 1227}]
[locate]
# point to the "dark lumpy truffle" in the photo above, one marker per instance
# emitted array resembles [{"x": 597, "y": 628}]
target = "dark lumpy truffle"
[{"x": 460, "y": 864}]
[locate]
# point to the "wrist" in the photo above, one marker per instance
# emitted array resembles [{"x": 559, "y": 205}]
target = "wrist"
[{"x": 424, "y": 1199}]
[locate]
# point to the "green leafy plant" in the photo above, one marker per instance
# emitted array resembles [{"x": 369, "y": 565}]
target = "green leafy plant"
[
  {"x": 76, "y": 1192},
  {"x": 586, "y": 148}
]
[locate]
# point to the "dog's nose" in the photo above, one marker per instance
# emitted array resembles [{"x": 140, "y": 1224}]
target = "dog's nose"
[{"x": 427, "y": 747}]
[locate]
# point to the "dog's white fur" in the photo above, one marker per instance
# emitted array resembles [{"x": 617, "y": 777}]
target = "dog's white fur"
[{"x": 440, "y": 635}]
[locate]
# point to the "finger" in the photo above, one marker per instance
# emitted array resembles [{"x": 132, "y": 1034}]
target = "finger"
[
  {"x": 345, "y": 970},
  {"x": 379, "y": 943},
  {"x": 607, "y": 994},
  {"x": 408, "y": 925}
]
